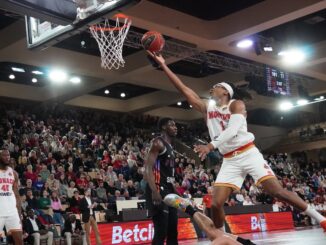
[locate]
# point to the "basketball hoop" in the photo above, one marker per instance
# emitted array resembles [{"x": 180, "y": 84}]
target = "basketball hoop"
[{"x": 110, "y": 40}]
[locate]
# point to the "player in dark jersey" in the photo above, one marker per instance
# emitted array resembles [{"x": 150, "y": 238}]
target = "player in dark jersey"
[{"x": 159, "y": 173}]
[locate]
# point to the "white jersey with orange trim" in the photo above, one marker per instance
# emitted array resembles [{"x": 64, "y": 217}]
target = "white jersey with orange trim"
[
  {"x": 217, "y": 121},
  {"x": 7, "y": 195}
]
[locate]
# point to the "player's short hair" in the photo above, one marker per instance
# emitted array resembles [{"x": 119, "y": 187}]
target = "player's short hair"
[{"x": 163, "y": 122}]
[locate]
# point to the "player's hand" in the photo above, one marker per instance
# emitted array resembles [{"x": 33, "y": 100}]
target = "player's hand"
[
  {"x": 202, "y": 151},
  {"x": 157, "y": 57},
  {"x": 156, "y": 197}
]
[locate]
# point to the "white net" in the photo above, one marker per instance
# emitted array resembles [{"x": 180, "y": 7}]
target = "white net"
[{"x": 110, "y": 41}]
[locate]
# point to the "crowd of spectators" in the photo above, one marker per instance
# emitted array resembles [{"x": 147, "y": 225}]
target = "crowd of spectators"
[{"x": 59, "y": 153}]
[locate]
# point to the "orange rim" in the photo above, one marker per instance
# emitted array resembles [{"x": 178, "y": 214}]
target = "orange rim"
[{"x": 117, "y": 16}]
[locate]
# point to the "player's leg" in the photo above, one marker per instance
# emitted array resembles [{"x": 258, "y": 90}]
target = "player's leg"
[
  {"x": 17, "y": 235},
  {"x": 160, "y": 221},
  {"x": 228, "y": 179},
  {"x": 274, "y": 188},
  {"x": 224, "y": 240},
  {"x": 220, "y": 195},
  {"x": 172, "y": 229},
  {"x": 263, "y": 174},
  {"x": 13, "y": 226},
  {"x": 204, "y": 222}
]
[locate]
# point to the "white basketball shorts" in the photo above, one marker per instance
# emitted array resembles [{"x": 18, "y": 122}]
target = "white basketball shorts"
[
  {"x": 12, "y": 223},
  {"x": 234, "y": 169}
]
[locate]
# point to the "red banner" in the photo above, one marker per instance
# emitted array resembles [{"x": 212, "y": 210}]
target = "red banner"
[
  {"x": 246, "y": 223},
  {"x": 139, "y": 232}
]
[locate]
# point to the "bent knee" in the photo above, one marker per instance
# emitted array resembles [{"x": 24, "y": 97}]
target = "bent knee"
[{"x": 218, "y": 203}]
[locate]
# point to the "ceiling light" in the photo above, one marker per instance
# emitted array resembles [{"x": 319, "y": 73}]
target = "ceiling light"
[
  {"x": 285, "y": 106},
  {"x": 37, "y": 72},
  {"x": 34, "y": 80},
  {"x": 246, "y": 43},
  {"x": 302, "y": 102},
  {"x": 179, "y": 103},
  {"x": 75, "y": 80},
  {"x": 106, "y": 91},
  {"x": 292, "y": 57},
  {"x": 268, "y": 49},
  {"x": 17, "y": 69},
  {"x": 122, "y": 95},
  {"x": 320, "y": 98},
  {"x": 58, "y": 76},
  {"x": 12, "y": 76}
]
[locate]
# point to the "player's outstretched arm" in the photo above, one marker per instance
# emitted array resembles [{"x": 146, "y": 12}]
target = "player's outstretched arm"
[{"x": 192, "y": 97}]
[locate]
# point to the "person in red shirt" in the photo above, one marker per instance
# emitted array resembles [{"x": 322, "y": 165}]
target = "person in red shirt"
[
  {"x": 82, "y": 183},
  {"x": 71, "y": 173},
  {"x": 207, "y": 202},
  {"x": 29, "y": 174}
]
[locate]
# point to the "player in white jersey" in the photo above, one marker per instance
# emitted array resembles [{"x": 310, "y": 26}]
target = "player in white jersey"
[
  {"x": 227, "y": 125},
  {"x": 10, "y": 206}
]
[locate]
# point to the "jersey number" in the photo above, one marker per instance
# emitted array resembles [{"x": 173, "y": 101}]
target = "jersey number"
[{"x": 5, "y": 188}]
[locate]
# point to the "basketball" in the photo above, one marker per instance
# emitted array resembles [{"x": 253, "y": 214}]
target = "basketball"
[{"x": 153, "y": 41}]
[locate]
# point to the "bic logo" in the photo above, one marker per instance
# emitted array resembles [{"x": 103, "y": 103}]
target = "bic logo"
[{"x": 255, "y": 224}]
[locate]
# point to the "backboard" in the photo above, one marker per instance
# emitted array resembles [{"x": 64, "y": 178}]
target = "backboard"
[{"x": 60, "y": 19}]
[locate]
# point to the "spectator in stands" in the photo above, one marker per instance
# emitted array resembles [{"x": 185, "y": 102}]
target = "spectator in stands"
[
  {"x": 31, "y": 200},
  {"x": 75, "y": 202},
  {"x": 131, "y": 189},
  {"x": 71, "y": 189},
  {"x": 247, "y": 201},
  {"x": 57, "y": 209},
  {"x": 39, "y": 183},
  {"x": 73, "y": 229},
  {"x": 36, "y": 229},
  {"x": 101, "y": 193},
  {"x": 29, "y": 174},
  {"x": 119, "y": 183},
  {"x": 44, "y": 173},
  {"x": 111, "y": 188}
]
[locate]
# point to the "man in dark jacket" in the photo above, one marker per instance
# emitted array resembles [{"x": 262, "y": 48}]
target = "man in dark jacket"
[
  {"x": 36, "y": 229},
  {"x": 73, "y": 229}
]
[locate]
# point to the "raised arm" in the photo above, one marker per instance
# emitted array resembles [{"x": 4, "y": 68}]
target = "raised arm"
[
  {"x": 154, "y": 150},
  {"x": 191, "y": 96}
]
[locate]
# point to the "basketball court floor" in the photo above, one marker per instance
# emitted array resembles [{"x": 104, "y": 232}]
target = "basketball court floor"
[{"x": 299, "y": 236}]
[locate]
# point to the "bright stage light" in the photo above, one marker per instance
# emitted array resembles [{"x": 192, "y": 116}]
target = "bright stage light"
[
  {"x": 246, "y": 43},
  {"x": 75, "y": 80},
  {"x": 292, "y": 57},
  {"x": 286, "y": 106},
  {"x": 58, "y": 76},
  {"x": 302, "y": 102}
]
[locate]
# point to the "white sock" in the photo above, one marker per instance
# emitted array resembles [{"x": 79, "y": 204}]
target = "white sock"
[{"x": 312, "y": 213}]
